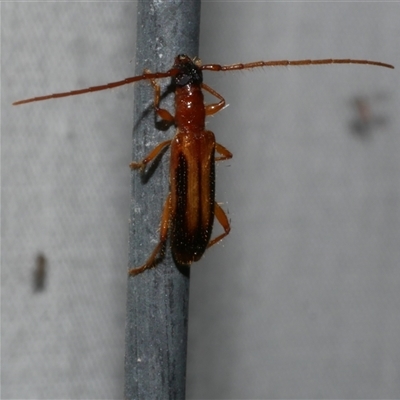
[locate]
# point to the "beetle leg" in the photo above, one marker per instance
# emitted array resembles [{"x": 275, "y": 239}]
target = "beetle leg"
[
  {"x": 225, "y": 153},
  {"x": 151, "y": 156},
  {"x": 223, "y": 220},
  {"x": 215, "y": 107},
  {"x": 151, "y": 262},
  {"x": 165, "y": 115}
]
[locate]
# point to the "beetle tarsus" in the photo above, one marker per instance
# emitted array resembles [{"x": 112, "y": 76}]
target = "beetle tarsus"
[{"x": 137, "y": 165}]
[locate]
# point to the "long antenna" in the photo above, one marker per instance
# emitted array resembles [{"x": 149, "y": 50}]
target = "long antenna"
[
  {"x": 285, "y": 63},
  {"x": 156, "y": 75}
]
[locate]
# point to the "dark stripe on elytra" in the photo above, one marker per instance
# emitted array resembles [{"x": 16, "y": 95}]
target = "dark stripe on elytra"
[
  {"x": 181, "y": 177},
  {"x": 185, "y": 240}
]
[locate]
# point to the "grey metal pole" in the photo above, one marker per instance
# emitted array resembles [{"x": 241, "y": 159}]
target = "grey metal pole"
[{"x": 157, "y": 303}]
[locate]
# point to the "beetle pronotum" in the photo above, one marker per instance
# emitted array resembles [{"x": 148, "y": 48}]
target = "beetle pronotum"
[{"x": 190, "y": 208}]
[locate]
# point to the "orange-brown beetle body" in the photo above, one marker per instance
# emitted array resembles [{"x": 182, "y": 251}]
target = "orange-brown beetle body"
[{"x": 190, "y": 206}]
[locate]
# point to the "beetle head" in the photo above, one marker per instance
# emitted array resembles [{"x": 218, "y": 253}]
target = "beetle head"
[{"x": 188, "y": 71}]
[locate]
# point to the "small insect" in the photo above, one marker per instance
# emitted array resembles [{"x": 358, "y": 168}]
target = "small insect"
[
  {"x": 366, "y": 118},
  {"x": 190, "y": 208},
  {"x": 39, "y": 273}
]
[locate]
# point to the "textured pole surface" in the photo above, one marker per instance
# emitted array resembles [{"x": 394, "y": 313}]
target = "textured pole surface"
[{"x": 157, "y": 303}]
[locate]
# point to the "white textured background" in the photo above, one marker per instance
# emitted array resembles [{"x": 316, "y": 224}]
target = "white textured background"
[{"x": 302, "y": 299}]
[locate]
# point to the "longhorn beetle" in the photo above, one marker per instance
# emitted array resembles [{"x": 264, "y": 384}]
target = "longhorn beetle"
[{"x": 189, "y": 210}]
